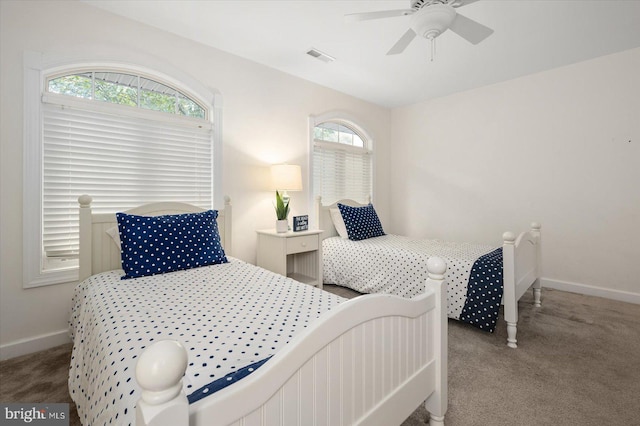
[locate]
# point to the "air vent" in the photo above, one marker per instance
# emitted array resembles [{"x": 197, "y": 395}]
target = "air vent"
[{"x": 319, "y": 55}]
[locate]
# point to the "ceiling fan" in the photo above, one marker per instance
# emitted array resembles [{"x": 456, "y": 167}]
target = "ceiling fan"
[{"x": 429, "y": 19}]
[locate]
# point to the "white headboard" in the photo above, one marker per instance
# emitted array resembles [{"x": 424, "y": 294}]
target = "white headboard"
[
  {"x": 98, "y": 252},
  {"x": 324, "y": 217}
]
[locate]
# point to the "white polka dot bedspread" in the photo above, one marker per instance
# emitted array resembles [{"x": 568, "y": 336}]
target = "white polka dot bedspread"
[
  {"x": 394, "y": 264},
  {"x": 227, "y": 316}
]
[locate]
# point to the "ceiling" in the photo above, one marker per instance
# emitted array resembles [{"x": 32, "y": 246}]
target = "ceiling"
[{"x": 530, "y": 36}]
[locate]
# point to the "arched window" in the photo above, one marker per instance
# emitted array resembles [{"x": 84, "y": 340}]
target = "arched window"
[
  {"x": 341, "y": 161},
  {"x": 125, "y": 138},
  {"x": 125, "y": 89}
]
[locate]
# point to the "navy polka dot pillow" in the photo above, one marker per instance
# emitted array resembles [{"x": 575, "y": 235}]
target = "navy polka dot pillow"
[
  {"x": 361, "y": 222},
  {"x": 158, "y": 244}
]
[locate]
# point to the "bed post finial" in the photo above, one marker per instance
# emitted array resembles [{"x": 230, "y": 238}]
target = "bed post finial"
[
  {"x": 436, "y": 268},
  {"x": 509, "y": 238},
  {"x": 536, "y": 226},
  {"x": 85, "y": 200},
  {"x": 227, "y": 200},
  {"x": 159, "y": 373}
]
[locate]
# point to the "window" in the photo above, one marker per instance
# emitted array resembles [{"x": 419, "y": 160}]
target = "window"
[
  {"x": 341, "y": 161},
  {"x": 122, "y": 137},
  {"x": 126, "y": 89}
]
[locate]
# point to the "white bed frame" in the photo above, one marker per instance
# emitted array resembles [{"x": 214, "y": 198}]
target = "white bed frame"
[
  {"x": 521, "y": 257},
  {"x": 370, "y": 361}
]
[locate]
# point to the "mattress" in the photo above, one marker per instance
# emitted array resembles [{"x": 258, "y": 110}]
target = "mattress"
[
  {"x": 230, "y": 318},
  {"x": 394, "y": 264}
]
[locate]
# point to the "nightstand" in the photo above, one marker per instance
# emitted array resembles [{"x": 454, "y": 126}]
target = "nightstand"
[{"x": 296, "y": 255}]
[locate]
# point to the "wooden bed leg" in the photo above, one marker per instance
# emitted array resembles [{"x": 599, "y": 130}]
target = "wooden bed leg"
[
  {"x": 512, "y": 329},
  {"x": 536, "y": 296},
  {"x": 159, "y": 373}
]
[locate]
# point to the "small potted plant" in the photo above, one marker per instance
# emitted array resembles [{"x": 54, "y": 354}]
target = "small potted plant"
[{"x": 282, "y": 213}]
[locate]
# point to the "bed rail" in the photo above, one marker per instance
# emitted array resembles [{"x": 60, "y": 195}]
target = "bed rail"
[{"x": 370, "y": 361}]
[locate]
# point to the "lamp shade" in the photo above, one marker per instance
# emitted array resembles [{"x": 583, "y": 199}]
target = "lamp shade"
[{"x": 286, "y": 177}]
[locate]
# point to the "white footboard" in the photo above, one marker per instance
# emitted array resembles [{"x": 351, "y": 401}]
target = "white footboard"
[
  {"x": 371, "y": 361},
  {"x": 521, "y": 271}
]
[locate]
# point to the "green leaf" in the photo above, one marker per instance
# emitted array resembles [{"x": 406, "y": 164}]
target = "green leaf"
[{"x": 282, "y": 207}]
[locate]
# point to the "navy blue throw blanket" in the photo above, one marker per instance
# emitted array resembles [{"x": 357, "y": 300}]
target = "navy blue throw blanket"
[
  {"x": 484, "y": 292},
  {"x": 225, "y": 381}
]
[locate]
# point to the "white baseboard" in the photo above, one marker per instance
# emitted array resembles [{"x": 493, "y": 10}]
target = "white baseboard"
[
  {"x": 34, "y": 344},
  {"x": 607, "y": 293}
]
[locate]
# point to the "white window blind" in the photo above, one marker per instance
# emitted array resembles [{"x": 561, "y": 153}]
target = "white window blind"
[
  {"x": 341, "y": 171},
  {"x": 121, "y": 160}
]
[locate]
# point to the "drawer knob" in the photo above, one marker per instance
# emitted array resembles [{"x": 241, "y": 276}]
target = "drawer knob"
[{"x": 304, "y": 244}]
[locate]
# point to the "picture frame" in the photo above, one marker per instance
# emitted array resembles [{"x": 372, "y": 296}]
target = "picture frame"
[{"x": 300, "y": 223}]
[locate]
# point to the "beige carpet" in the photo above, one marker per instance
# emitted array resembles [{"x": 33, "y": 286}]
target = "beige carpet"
[{"x": 578, "y": 363}]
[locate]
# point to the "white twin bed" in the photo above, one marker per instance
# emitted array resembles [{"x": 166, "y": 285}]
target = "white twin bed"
[
  {"x": 479, "y": 277},
  {"x": 234, "y": 344}
]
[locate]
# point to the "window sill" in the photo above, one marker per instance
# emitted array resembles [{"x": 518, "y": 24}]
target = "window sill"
[{"x": 46, "y": 278}]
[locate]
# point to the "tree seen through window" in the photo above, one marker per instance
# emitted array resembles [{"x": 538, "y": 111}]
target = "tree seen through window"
[{"x": 126, "y": 89}]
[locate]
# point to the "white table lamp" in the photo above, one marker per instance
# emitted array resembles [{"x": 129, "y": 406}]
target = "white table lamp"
[{"x": 286, "y": 177}]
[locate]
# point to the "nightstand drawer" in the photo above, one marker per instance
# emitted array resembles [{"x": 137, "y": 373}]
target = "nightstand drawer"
[{"x": 302, "y": 244}]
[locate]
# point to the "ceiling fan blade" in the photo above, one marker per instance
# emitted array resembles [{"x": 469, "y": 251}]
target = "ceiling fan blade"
[
  {"x": 402, "y": 43},
  {"x": 355, "y": 17},
  {"x": 470, "y": 30}
]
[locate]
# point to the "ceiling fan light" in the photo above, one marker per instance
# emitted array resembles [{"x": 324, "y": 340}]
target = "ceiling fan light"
[{"x": 432, "y": 20}]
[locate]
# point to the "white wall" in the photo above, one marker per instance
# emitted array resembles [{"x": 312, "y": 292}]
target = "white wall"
[
  {"x": 560, "y": 147},
  {"x": 265, "y": 116}
]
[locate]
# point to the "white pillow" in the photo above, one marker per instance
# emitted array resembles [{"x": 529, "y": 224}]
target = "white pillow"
[
  {"x": 338, "y": 222},
  {"x": 114, "y": 233}
]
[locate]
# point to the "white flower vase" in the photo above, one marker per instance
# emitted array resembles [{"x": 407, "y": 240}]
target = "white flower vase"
[{"x": 282, "y": 225}]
